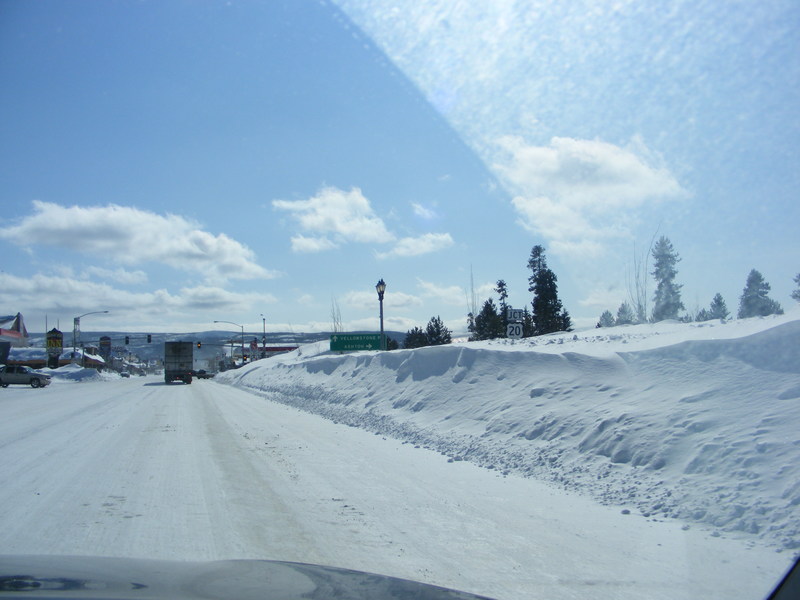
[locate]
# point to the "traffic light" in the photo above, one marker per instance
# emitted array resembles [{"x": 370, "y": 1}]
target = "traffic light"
[
  {"x": 127, "y": 340},
  {"x": 199, "y": 344},
  {"x": 149, "y": 338}
]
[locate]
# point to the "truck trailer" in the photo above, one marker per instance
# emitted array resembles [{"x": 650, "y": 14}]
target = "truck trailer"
[{"x": 178, "y": 361}]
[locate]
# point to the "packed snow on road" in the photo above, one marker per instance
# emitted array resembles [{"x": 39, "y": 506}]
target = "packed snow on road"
[{"x": 658, "y": 461}]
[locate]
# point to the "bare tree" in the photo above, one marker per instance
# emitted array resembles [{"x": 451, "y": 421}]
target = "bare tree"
[
  {"x": 472, "y": 303},
  {"x": 637, "y": 281},
  {"x": 336, "y": 316}
]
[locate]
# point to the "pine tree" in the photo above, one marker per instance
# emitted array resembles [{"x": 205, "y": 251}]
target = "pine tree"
[
  {"x": 527, "y": 323},
  {"x": 436, "y": 332},
  {"x": 502, "y": 291},
  {"x": 667, "y": 299},
  {"x": 625, "y": 314},
  {"x": 796, "y": 293},
  {"x": 487, "y": 323},
  {"x": 718, "y": 309},
  {"x": 548, "y": 314},
  {"x": 606, "y": 319},
  {"x": 754, "y": 301},
  {"x": 415, "y": 338}
]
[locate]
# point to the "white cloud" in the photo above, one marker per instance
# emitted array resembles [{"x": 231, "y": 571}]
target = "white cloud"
[
  {"x": 69, "y": 296},
  {"x": 485, "y": 291},
  {"x": 119, "y": 275},
  {"x": 306, "y": 300},
  {"x": 131, "y": 236},
  {"x": 416, "y": 246},
  {"x": 451, "y": 294},
  {"x": 390, "y": 323},
  {"x": 346, "y": 216},
  {"x": 423, "y": 212},
  {"x": 365, "y": 300},
  {"x": 581, "y": 193},
  {"x": 306, "y": 245}
]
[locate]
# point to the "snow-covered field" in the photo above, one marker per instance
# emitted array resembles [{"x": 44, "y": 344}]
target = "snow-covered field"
[{"x": 657, "y": 461}]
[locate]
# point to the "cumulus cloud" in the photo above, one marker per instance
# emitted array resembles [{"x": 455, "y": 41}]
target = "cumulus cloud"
[
  {"x": 416, "y": 246},
  {"x": 335, "y": 217},
  {"x": 345, "y": 216},
  {"x": 131, "y": 236},
  {"x": 450, "y": 294},
  {"x": 67, "y": 295},
  {"x": 581, "y": 193},
  {"x": 368, "y": 299}
]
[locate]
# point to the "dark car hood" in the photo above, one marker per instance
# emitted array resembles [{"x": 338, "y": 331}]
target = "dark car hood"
[{"x": 52, "y": 577}]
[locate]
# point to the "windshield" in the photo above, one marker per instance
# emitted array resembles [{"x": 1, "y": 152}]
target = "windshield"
[{"x": 541, "y": 255}]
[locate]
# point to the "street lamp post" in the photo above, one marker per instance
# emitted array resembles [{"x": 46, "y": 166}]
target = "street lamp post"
[
  {"x": 264, "y": 337},
  {"x": 242, "y": 326},
  {"x": 380, "y": 287},
  {"x": 76, "y": 327}
]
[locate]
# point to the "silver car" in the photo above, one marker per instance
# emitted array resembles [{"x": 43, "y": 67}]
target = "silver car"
[{"x": 24, "y": 375}]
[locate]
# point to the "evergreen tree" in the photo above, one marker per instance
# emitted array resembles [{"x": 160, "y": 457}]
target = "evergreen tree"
[
  {"x": 606, "y": 319},
  {"x": 502, "y": 291},
  {"x": 415, "y": 338},
  {"x": 703, "y": 315},
  {"x": 436, "y": 332},
  {"x": 487, "y": 323},
  {"x": 527, "y": 323},
  {"x": 718, "y": 309},
  {"x": 667, "y": 299},
  {"x": 548, "y": 314},
  {"x": 796, "y": 293},
  {"x": 754, "y": 301},
  {"x": 391, "y": 344},
  {"x": 625, "y": 314}
]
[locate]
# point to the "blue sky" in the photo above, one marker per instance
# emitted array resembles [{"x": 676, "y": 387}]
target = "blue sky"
[{"x": 178, "y": 162}]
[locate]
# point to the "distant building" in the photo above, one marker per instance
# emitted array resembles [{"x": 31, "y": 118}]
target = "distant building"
[
  {"x": 12, "y": 330},
  {"x": 36, "y": 358}
]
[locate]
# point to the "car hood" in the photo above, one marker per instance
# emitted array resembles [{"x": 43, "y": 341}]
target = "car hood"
[{"x": 48, "y": 577}]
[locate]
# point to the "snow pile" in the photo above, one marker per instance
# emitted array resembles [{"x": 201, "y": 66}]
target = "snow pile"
[
  {"x": 699, "y": 422},
  {"x": 77, "y": 373}
]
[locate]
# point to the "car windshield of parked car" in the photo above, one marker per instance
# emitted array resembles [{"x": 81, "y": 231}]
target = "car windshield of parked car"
[{"x": 499, "y": 296}]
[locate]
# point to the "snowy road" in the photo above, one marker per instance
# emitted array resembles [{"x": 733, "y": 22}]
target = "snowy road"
[{"x": 136, "y": 468}]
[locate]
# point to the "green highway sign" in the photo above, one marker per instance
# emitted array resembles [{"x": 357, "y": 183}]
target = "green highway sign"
[{"x": 345, "y": 342}]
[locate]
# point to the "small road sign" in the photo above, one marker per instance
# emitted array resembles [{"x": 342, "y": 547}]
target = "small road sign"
[
  {"x": 514, "y": 314},
  {"x": 514, "y": 331},
  {"x": 346, "y": 342}
]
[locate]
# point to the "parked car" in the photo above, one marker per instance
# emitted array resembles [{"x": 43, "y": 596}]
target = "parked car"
[
  {"x": 23, "y": 375},
  {"x": 124, "y": 374}
]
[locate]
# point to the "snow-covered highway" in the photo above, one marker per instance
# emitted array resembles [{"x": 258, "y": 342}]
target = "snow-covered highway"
[{"x": 136, "y": 468}]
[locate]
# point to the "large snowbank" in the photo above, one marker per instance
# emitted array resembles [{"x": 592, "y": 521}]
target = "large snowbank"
[{"x": 697, "y": 422}]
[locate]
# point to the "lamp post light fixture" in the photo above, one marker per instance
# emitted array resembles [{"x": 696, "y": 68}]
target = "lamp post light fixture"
[
  {"x": 242, "y": 326},
  {"x": 380, "y": 287},
  {"x": 264, "y": 337},
  {"x": 76, "y": 327}
]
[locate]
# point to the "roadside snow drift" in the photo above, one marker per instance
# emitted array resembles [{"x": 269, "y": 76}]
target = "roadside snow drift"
[{"x": 698, "y": 422}]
